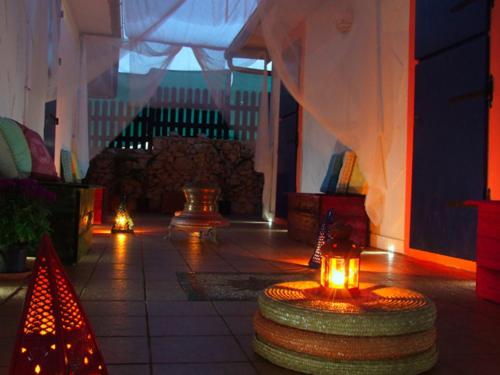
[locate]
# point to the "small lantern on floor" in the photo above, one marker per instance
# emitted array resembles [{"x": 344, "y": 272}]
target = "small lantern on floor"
[
  {"x": 340, "y": 262},
  {"x": 123, "y": 222}
]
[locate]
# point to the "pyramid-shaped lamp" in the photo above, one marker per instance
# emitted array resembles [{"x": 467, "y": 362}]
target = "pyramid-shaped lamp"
[
  {"x": 123, "y": 223},
  {"x": 323, "y": 237},
  {"x": 54, "y": 335}
]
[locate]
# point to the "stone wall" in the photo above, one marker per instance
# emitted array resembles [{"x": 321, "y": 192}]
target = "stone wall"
[{"x": 152, "y": 179}]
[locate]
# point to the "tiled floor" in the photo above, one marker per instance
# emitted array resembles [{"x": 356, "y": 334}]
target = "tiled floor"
[{"x": 145, "y": 325}]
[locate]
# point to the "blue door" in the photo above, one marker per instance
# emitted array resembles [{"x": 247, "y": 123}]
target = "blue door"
[
  {"x": 287, "y": 151},
  {"x": 451, "y": 123}
]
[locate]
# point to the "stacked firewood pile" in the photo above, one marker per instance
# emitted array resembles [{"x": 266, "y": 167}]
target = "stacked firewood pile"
[{"x": 148, "y": 178}]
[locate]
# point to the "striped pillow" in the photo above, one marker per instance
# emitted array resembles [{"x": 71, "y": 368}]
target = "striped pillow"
[
  {"x": 346, "y": 172},
  {"x": 357, "y": 183},
  {"x": 75, "y": 168},
  {"x": 66, "y": 167},
  {"x": 329, "y": 184}
]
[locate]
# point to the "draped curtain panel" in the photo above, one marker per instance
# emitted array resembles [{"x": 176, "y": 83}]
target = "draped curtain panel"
[{"x": 344, "y": 61}]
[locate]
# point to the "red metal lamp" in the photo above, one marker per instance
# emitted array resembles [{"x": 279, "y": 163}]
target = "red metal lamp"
[{"x": 54, "y": 336}]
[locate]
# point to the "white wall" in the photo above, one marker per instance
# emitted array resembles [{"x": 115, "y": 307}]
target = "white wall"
[
  {"x": 24, "y": 77},
  {"x": 72, "y": 131},
  {"x": 318, "y": 143}
]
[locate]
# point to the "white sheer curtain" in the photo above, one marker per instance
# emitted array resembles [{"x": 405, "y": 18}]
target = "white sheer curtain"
[
  {"x": 332, "y": 55},
  {"x": 29, "y": 37},
  {"x": 155, "y": 31}
]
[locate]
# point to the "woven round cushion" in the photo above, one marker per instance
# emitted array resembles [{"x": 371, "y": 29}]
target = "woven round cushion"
[
  {"x": 377, "y": 311},
  {"x": 336, "y": 347},
  {"x": 414, "y": 364}
]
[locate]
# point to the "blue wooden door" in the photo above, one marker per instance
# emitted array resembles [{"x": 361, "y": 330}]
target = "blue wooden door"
[
  {"x": 450, "y": 128},
  {"x": 287, "y": 152},
  {"x": 49, "y": 129}
]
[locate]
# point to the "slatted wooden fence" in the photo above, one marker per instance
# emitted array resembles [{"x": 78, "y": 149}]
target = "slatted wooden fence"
[{"x": 185, "y": 112}]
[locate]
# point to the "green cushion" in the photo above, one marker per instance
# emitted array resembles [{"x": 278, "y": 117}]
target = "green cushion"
[
  {"x": 18, "y": 145},
  {"x": 7, "y": 165},
  {"x": 66, "y": 167}
]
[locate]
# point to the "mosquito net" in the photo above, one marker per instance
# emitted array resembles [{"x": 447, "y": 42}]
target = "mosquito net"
[{"x": 344, "y": 61}]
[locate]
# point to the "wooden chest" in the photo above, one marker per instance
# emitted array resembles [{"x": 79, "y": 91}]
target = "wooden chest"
[
  {"x": 488, "y": 249},
  {"x": 306, "y": 210},
  {"x": 71, "y": 219}
]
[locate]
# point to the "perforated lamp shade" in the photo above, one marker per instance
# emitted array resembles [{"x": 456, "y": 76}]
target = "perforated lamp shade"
[
  {"x": 323, "y": 236},
  {"x": 54, "y": 335}
]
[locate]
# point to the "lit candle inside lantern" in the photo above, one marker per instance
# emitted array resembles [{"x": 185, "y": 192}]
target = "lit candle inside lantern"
[
  {"x": 337, "y": 273},
  {"x": 123, "y": 221},
  {"x": 340, "y": 263}
]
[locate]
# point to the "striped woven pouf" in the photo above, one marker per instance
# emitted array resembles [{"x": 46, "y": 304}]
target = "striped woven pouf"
[{"x": 383, "y": 330}]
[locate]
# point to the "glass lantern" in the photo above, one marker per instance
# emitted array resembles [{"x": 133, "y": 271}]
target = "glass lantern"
[
  {"x": 340, "y": 265},
  {"x": 123, "y": 222}
]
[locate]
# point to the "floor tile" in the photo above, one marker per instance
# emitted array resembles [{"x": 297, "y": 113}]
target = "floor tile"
[
  {"x": 7, "y": 346},
  {"x": 9, "y": 325},
  {"x": 114, "y": 308},
  {"x": 128, "y": 369},
  {"x": 240, "y": 325},
  {"x": 162, "y": 275},
  {"x": 118, "y": 271},
  {"x": 119, "y": 325},
  {"x": 181, "y": 308},
  {"x": 165, "y": 291},
  {"x": 196, "y": 349},
  {"x": 205, "y": 369},
  {"x": 236, "y": 308},
  {"x": 122, "y": 350},
  {"x": 124, "y": 278},
  {"x": 187, "y": 326},
  {"x": 245, "y": 342},
  {"x": 114, "y": 290}
]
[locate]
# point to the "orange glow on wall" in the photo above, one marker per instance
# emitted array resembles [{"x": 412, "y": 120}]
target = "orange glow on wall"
[
  {"x": 54, "y": 336},
  {"x": 494, "y": 114}
]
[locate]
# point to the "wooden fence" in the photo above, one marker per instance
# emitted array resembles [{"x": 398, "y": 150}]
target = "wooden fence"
[{"x": 184, "y": 112}]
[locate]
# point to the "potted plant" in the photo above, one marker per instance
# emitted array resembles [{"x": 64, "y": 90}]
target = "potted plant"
[{"x": 23, "y": 220}]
